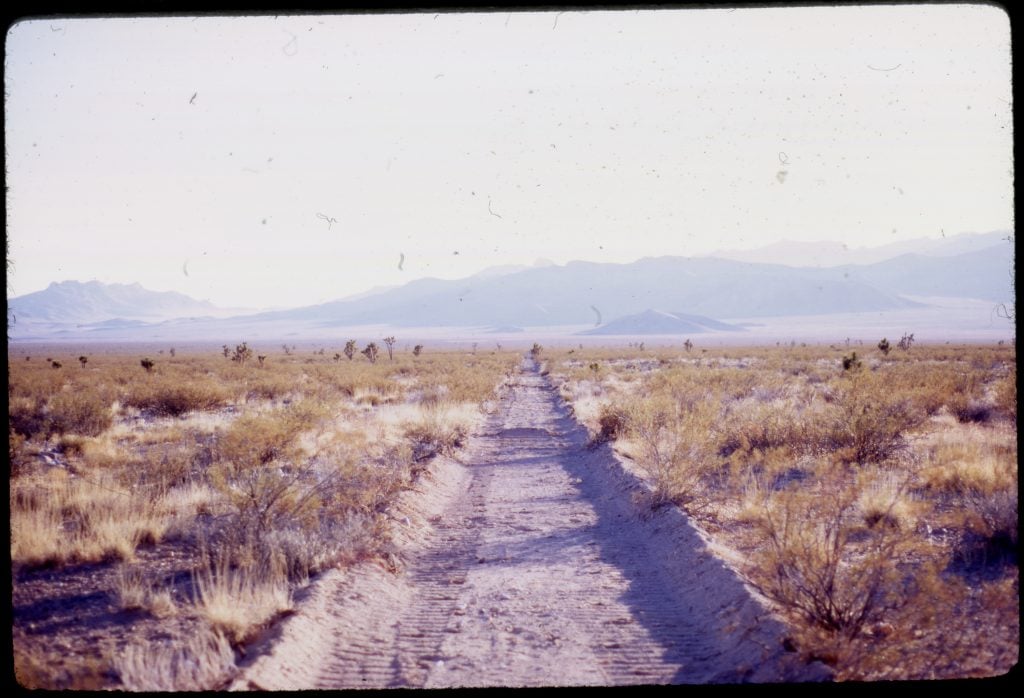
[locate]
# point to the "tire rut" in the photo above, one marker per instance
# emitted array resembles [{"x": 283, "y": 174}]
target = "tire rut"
[{"x": 535, "y": 570}]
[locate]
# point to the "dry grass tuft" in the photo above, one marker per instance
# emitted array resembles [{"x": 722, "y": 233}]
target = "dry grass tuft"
[
  {"x": 240, "y": 601},
  {"x": 440, "y": 428},
  {"x": 135, "y": 592},
  {"x": 201, "y": 661}
]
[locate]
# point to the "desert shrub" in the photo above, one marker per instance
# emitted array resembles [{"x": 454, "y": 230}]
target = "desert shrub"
[
  {"x": 672, "y": 449},
  {"x": 261, "y": 438},
  {"x": 367, "y": 485},
  {"x": 258, "y": 471},
  {"x": 72, "y": 444},
  {"x": 79, "y": 412},
  {"x": 761, "y": 427},
  {"x": 439, "y": 430},
  {"x": 867, "y": 422},
  {"x": 820, "y": 566},
  {"x": 992, "y": 527},
  {"x": 851, "y": 362},
  {"x": 612, "y": 421},
  {"x": 268, "y": 386},
  {"x": 966, "y": 409},
  {"x": 965, "y": 393},
  {"x": 27, "y": 416},
  {"x": 32, "y": 382},
  {"x": 266, "y": 498},
  {"x": 979, "y": 482},
  {"x": 1006, "y": 393},
  {"x": 173, "y": 399},
  {"x": 17, "y": 458}
]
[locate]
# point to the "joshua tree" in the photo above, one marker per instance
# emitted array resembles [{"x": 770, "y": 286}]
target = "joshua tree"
[
  {"x": 242, "y": 354},
  {"x": 227, "y": 352},
  {"x": 851, "y": 362},
  {"x": 474, "y": 347},
  {"x": 337, "y": 357},
  {"x": 55, "y": 364},
  {"x": 417, "y": 349},
  {"x": 390, "y": 342},
  {"x": 905, "y": 341},
  {"x": 287, "y": 350},
  {"x": 260, "y": 359},
  {"x": 535, "y": 350},
  {"x": 83, "y": 360},
  {"x": 350, "y": 348},
  {"x": 884, "y": 347},
  {"x": 370, "y": 352},
  {"x": 689, "y": 345},
  {"x": 171, "y": 352},
  {"x": 147, "y": 364}
]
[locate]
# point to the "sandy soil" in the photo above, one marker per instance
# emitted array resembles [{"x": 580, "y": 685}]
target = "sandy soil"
[{"x": 527, "y": 563}]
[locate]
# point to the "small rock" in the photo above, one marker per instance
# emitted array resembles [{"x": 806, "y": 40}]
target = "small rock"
[{"x": 882, "y": 629}]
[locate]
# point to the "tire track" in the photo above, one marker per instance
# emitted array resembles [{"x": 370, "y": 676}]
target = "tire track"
[{"x": 529, "y": 566}]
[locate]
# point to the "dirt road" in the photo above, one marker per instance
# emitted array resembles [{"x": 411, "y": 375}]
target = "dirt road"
[{"x": 528, "y": 564}]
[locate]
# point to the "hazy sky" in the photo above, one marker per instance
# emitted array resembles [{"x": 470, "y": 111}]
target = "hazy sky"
[{"x": 261, "y": 161}]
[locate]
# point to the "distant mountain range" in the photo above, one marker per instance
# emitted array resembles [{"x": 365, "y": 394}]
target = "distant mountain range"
[
  {"x": 95, "y": 305},
  {"x": 834, "y": 253},
  {"x": 621, "y": 298},
  {"x": 660, "y": 322}
]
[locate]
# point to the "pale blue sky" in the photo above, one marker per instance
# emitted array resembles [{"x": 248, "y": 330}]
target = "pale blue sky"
[{"x": 320, "y": 150}]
